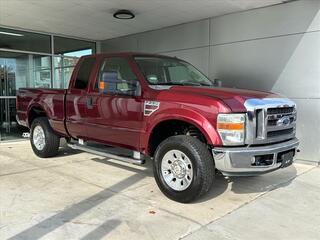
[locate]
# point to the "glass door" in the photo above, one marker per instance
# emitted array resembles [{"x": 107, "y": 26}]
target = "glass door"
[
  {"x": 9, "y": 68},
  {"x": 18, "y": 70}
]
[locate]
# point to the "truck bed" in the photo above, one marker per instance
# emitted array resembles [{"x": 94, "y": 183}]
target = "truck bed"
[{"x": 44, "y": 99}]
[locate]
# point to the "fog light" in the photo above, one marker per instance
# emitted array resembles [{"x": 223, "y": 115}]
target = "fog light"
[{"x": 262, "y": 160}]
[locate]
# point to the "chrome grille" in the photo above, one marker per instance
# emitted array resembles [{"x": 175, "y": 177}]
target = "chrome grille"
[
  {"x": 283, "y": 110},
  {"x": 270, "y": 120},
  {"x": 280, "y": 121},
  {"x": 272, "y": 134}
]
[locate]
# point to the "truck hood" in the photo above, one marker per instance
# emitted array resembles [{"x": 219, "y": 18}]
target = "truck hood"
[{"x": 232, "y": 97}]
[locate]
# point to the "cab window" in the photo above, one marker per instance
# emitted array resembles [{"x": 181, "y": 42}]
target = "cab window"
[{"x": 116, "y": 77}]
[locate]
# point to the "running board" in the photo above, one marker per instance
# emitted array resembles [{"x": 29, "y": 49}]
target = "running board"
[{"x": 103, "y": 153}]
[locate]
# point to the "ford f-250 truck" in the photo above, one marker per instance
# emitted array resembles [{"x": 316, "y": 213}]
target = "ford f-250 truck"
[{"x": 163, "y": 109}]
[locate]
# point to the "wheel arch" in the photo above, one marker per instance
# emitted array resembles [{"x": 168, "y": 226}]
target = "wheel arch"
[
  {"x": 202, "y": 125},
  {"x": 35, "y": 111}
]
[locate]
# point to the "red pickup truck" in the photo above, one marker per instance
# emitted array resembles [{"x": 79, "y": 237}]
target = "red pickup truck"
[{"x": 163, "y": 109}]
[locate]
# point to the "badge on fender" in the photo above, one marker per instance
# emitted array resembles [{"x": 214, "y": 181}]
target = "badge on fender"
[{"x": 150, "y": 107}]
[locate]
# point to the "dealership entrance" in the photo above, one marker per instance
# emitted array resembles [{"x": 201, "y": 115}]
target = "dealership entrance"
[
  {"x": 19, "y": 70},
  {"x": 8, "y": 72},
  {"x": 33, "y": 60}
]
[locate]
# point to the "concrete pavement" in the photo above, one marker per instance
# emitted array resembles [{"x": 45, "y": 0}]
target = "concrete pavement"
[{"x": 81, "y": 196}]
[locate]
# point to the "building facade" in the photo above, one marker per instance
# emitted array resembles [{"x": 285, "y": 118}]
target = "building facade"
[
  {"x": 30, "y": 59},
  {"x": 261, "y": 49}
]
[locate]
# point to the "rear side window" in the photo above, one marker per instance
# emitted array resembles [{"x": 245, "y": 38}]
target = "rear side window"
[{"x": 84, "y": 73}]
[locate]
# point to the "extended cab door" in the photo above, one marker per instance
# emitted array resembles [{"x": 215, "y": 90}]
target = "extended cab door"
[
  {"x": 76, "y": 99},
  {"x": 115, "y": 114}
]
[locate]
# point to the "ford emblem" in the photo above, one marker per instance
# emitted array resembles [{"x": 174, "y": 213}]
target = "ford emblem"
[{"x": 284, "y": 121}]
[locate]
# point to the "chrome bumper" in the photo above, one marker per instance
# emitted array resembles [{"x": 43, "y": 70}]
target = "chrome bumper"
[{"x": 239, "y": 161}]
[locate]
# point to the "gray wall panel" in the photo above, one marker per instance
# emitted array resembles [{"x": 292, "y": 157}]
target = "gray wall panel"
[
  {"x": 182, "y": 36},
  {"x": 295, "y": 17},
  {"x": 198, "y": 57},
  {"x": 129, "y": 43},
  {"x": 308, "y": 130},
  {"x": 288, "y": 65}
]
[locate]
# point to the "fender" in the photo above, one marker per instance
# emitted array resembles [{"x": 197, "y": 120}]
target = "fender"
[
  {"x": 187, "y": 115},
  {"x": 32, "y": 105},
  {"x": 41, "y": 105}
]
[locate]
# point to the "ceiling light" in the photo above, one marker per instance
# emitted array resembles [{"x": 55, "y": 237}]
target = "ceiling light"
[
  {"x": 12, "y": 34},
  {"x": 123, "y": 14}
]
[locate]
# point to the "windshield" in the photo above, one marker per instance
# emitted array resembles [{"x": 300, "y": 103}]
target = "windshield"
[{"x": 170, "y": 71}]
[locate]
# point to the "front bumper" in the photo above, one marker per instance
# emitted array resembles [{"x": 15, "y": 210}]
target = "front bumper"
[{"x": 241, "y": 161}]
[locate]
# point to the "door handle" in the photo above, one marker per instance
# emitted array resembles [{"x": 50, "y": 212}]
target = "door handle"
[{"x": 89, "y": 102}]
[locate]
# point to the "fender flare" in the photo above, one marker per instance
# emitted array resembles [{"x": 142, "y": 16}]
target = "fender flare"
[
  {"x": 30, "y": 107},
  {"x": 192, "y": 117}
]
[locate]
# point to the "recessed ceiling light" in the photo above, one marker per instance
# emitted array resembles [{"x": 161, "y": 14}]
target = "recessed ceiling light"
[
  {"x": 12, "y": 34},
  {"x": 123, "y": 14}
]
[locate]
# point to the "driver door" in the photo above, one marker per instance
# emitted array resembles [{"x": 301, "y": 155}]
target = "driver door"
[{"x": 114, "y": 112}]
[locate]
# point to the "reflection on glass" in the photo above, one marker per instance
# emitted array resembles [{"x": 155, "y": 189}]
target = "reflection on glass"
[
  {"x": 73, "y": 47},
  {"x": 9, "y": 128},
  {"x": 18, "y": 70},
  {"x": 25, "y": 41},
  {"x": 67, "y": 52},
  {"x": 33, "y": 69},
  {"x": 41, "y": 71},
  {"x": 63, "y": 67}
]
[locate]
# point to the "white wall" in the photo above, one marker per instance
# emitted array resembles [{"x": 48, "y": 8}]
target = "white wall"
[{"x": 275, "y": 49}]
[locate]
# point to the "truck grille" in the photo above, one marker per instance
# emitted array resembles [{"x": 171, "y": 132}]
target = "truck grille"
[
  {"x": 272, "y": 134},
  {"x": 280, "y": 121},
  {"x": 271, "y": 121},
  {"x": 283, "y": 110}
]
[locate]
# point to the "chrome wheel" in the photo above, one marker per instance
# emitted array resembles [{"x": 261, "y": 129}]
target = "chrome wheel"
[
  {"x": 38, "y": 138},
  {"x": 177, "y": 170}
]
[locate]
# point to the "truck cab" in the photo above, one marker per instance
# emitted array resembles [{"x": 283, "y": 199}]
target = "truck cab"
[{"x": 162, "y": 109}]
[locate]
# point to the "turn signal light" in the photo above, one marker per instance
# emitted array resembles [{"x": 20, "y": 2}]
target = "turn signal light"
[{"x": 230, "y": 126}]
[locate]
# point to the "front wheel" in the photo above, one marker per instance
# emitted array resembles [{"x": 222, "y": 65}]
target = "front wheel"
[
  {"x": 44, "y": 142},
  {"x": 183, "y": 168}
]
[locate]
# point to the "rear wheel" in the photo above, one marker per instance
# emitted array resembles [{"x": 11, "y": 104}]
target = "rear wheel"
[
  {"x": 44, "y": 142},
  {"x": 183, "y": 168}
]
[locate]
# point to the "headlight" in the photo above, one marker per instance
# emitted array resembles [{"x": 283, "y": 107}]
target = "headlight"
[{"x": 231, "y": 128}]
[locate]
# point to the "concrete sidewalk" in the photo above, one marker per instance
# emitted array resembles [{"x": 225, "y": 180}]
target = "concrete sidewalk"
[{"x": 81, "y": 196}]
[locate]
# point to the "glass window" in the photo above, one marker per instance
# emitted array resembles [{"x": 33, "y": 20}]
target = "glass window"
[
  {"x": 69, "y": 51},
  {"x": 18, "y": 70},
  {"x": 84, "y": 73},
  {"x": 170, "y": 71},
  {"x": 25, "y": 41},
  {"x": 63, "y": 68},
  {"x": 41, "y": 71},
  {"x": 73, "y": 47},
  {"x": 116, "y": 77}
]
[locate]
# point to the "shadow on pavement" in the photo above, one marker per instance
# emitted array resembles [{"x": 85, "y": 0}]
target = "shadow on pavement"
[
  {"x": 101, "y": 231},
  {"x": 66, "y": 151},
  {"x": 262, "y": 183},
  {"x": 239, "y": 185},
  {"x": 50, "y": 224},
  {"x": 147, "y": 171}
]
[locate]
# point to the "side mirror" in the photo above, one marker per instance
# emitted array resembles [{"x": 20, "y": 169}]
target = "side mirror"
[
  {"x": 110, "y": 84},
  {"x": 217, "y": 82}
]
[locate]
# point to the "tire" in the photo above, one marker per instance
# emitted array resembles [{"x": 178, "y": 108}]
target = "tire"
[
  {"x": 194, "y": 181},
  {"x": 49, "y": 142}
]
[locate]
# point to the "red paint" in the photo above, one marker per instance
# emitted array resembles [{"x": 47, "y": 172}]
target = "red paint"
[{"x": 119, "y": 120}]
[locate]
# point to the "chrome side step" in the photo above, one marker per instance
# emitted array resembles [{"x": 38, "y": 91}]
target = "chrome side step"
[{"x": 104, "y": 153}]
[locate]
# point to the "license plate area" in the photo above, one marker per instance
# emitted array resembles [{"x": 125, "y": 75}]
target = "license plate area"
[{"x": 286, "y": 158}]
